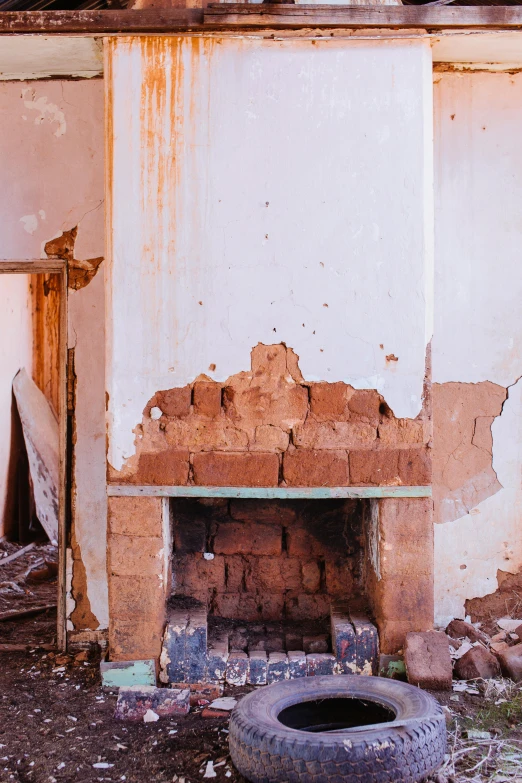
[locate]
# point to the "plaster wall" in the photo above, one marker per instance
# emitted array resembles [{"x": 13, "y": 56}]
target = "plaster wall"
[
  {"x": 267, "y": 191},
  {"x": 478, "y": 330},
  {"x": 51, "y": 148},
  {"x": 15, "y": 352}
]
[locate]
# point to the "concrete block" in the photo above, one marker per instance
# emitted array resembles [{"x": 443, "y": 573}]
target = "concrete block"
[
  {"x": 258, "y": 667},
  {"x": 119, "y": 674},
  {"x": 134, "y": 701},
  {"x": 237, "y": 668},
  {"x": 201, "y": 693},
  {"x": 172, "y": 659},
  {"x": 277, "y": 667},
  {"x": 366, "y": 644},
  {"x": 320, "y": 663},
  {"x": 343, "y": 638},
  {"x": 217, "y": 657},
  {"x": 296, "y": 664}
]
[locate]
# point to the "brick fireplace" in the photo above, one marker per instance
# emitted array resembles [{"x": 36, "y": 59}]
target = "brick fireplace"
[{"x": 261, "y": 515}]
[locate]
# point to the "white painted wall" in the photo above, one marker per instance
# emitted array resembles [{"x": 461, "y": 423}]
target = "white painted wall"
[
  {"x": 266, "y": 191},
  {"x": 478, "y": 329},
  {"x": 51, "y": 153},
  {"x": 15, "y": 353}
]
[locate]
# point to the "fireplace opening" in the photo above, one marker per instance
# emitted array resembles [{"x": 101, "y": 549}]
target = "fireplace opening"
[{"x": 264, "y": 581}]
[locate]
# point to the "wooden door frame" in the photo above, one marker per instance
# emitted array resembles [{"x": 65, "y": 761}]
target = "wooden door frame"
[{"x": 59, "y": 267}]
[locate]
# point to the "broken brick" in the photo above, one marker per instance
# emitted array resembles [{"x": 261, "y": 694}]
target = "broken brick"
[
  {"x": 477, "y": 663},
  {"x": 428, "y": 661},
  {"x": 511, "y": 662},
  {"x": 459, "y": 628},
  {"x": 134, "y": 701}
]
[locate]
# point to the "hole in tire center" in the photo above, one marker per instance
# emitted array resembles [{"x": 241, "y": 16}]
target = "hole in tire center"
[{"x": 334, "y": 714}]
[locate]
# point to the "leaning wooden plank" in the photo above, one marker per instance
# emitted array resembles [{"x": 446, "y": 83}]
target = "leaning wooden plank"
[
  {"x": 15, "y": 555},
  {"x": 41, "y": 435},
  {"x": 15, "y": 614}
]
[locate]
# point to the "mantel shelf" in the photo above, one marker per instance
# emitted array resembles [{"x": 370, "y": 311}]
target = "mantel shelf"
[{"x": 268, "y": 493}]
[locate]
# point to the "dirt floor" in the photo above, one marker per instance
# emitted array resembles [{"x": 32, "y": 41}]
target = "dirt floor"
[{"x": 56, "y": 723}]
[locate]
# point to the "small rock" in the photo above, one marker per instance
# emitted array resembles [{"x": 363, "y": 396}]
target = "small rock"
[
  {"x": 460, "y": 628},
  {"x": 428, "y": 661},
  {"x": 150, "y": 717},
  {"x": 209, "y": 771},
  {"x": 477, "y": 663},
  {"x": 224, "y": 703},
  {"x": 511, "y": 662}
]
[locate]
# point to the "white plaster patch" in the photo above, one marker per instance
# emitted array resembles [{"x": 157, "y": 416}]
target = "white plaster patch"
[
  {"x": 30, "y": 223},
  {"x": 46, "y": 110},
  {"x": 470, "y": 550}
]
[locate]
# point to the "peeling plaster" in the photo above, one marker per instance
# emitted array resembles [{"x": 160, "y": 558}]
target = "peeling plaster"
[
  {"x": 470, "y": 550},
  {"x": 46, "y": 110}
]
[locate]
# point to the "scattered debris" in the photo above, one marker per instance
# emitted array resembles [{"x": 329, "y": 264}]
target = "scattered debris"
[
  {"x": 150, "y": 716},
  {"x": 135, "y": 701},
  {"x": 224, "y": 703},
  {"x": 209, "y": 771},
  {"x": 15, "y": 555},
  {"x": 508, "y": 624},
  {"x": 460, "y": 628},
  {"x": 477, "y": 663}
]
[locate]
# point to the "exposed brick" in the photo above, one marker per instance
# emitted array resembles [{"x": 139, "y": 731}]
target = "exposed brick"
[
  {"x": 398, "y": 433},
  {"x": 334, "y": 435},
  {"x": 311, "y": 576},
  {"x": 270, "y": 438},
  {"x": 136, "y": 555},
  {"x": 415, "y": 467},
  {"x": 190, "y": 536},
  {"x": 207, "y": 398},
  {"x": 235, "y": 566},
  {"x": 275, "y": 511},
  {"x": 135, "y": 596},
  {"x": 365, "y": 404},
  {"x": 339, "y": 578},
  {"x": 329, "y": 401},
  {"x": 374, "y": 467},
  {"x": 307, "y": 607},
  {"x": 174, "y": 402},
  {"x": 135, "y": 516},
  {"x": 240, "y": 538},
  {"x": 192, "y": 573},
  {"x": 135, "y": 639},
  {"x": 272, "y": 605},
  {"x": 236, "y": 470},
  {"x": 304, "y": 468},
  {"x": 203, "y": 434},
  {"x": 300, "y": 543},
  {"x": 273, "y": 573},
  {"x": 170, "y": 466}
]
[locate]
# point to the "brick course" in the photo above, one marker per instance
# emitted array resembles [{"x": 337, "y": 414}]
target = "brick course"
[{"x": 220, "y": 469}]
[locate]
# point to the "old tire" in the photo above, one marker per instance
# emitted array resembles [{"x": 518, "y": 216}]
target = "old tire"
[{"x": 405, "y": 748}]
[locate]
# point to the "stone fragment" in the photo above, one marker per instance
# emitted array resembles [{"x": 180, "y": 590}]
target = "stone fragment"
[
  {"x": 518, "y": 631},
  {"x": 134, "y": 701},
  {"x": 277, "y": 668},
  {"x": 428, "y": 661},
  {"x": 343, "y": 638},
  {"x": 118, "y": 674},
  {"x": 459, "y": 628},
  {"x": 511, "y": 662},
  {"x": 237, "y": 668},
  {"x": 296, "y": 664},
  {"x": 258, "y": 668},
  {"x": 217, "y": 657},
  {"x": 477, "y": 663},
  {"x": 315, "y": 644},
  {"x": 366, "y": 644},
  {"x": 320, "y": 663}
]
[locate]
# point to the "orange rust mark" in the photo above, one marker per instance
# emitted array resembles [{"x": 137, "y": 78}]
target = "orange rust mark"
[
  {"x": 45, "y": 296},
  {"x": 392, "y": 358}
]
